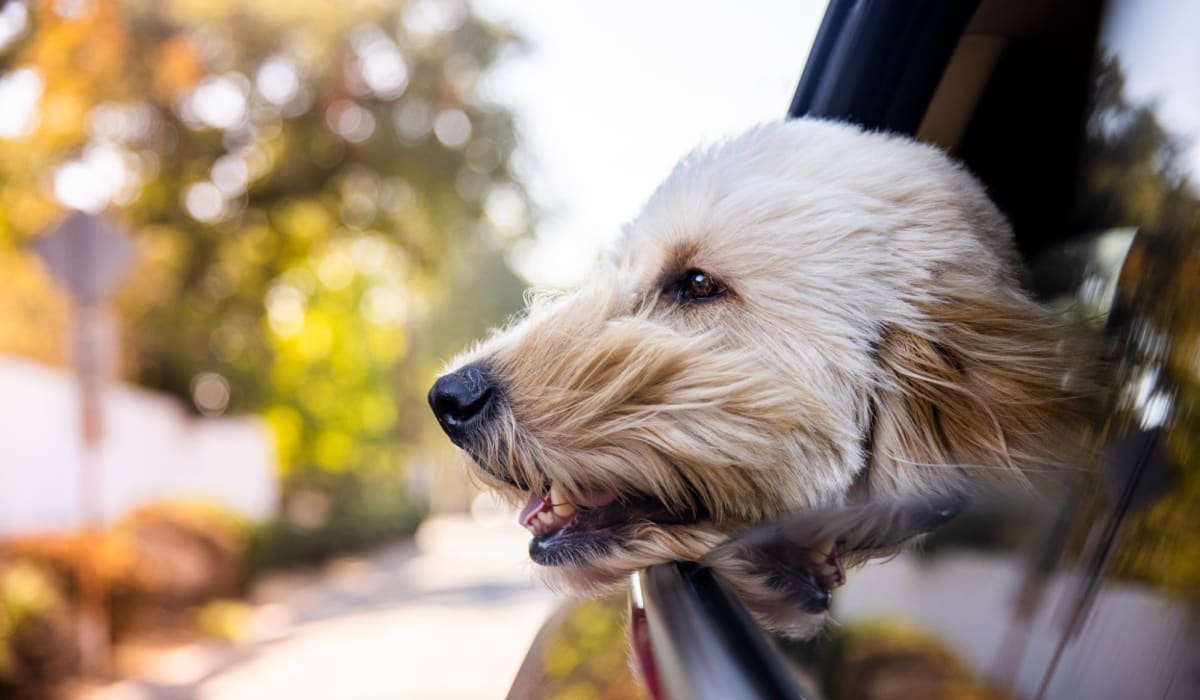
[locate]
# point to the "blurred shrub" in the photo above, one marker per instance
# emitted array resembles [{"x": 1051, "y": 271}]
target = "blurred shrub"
[
  {"x": 175, "y": 556},
  {"x": 229, "y": 620},
  {"x": 895, "y": 660},
  {"x": 172, "y": 566},
  {"x": 315, "y": 527},
  {"x": 58, "y": 556},
  {"x": 155, "y": 564},
  {"x": 37, "y": 629}
]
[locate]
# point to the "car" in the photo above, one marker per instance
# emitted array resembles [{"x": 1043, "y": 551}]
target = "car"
[{"x": 1082, "y": 118}]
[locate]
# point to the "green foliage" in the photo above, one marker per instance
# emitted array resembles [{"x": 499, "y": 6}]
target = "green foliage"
[
  {"x": 25, "y": 593},
  {"x": 35, "y": 642},
  {"x": 228, "y": 620},
  {"x": 304, "y": 181}
]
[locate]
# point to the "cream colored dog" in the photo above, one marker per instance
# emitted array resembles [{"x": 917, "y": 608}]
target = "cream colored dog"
[{"x": 804, "y": 316}]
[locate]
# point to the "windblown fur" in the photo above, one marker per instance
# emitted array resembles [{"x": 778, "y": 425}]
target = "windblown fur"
[{"x": 873, "y": 343}]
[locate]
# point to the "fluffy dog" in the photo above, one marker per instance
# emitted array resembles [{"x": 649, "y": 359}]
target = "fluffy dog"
[{"x": 804, "y": 316}]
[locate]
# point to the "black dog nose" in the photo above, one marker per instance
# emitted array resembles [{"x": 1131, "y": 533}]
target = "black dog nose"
[{"x": 461, "y": 400}]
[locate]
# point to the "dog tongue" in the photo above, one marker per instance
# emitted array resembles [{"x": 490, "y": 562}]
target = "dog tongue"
[{"x": 537, "y": 504}]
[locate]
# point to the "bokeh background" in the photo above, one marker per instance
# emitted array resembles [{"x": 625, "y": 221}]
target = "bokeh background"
[
  {"x": 220, "y": 480},
  {"x": 320, "y": 204}
]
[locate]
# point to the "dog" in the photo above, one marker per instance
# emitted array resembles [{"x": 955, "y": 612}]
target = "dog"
[{"x": 803, "y": 317}]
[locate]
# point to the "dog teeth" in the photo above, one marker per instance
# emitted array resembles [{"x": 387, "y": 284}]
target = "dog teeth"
[
  {"x": 826, "y": 563},
  {"x": 558, "y": 500}
]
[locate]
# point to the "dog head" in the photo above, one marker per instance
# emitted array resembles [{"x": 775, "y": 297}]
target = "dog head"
[{"x": 800, "y": 316}]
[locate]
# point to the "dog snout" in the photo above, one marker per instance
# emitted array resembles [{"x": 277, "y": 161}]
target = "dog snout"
[{"x": 462, "y": 401}]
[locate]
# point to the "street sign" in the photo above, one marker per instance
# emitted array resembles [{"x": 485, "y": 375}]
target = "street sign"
[{"x": 87, "y": 255}]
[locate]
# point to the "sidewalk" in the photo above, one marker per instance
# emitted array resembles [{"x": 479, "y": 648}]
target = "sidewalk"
[{"x": 447, "y": 617}]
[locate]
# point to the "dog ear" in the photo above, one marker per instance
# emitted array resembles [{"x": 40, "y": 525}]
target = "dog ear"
[{"x": 988, "y": 389}]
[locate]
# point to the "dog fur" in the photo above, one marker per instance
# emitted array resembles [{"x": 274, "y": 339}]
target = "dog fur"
[{"x": 874, "y": 342}]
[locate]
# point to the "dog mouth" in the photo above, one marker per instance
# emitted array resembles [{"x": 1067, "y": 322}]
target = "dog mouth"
[{"x": 566, "y": 532}]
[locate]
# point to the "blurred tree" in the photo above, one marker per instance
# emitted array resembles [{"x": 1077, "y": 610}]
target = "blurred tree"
[
  {"x": 306, "y": 182},
  {"x": 1134, "y": 173}
]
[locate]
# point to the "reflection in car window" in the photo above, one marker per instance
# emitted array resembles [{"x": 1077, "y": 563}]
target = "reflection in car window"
[{"x": 1141, "y": 168}]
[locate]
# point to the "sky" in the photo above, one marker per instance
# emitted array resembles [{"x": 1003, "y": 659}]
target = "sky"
[
  {"x": 1164, "y": 70},
  {"x": 609, "y": 95}
]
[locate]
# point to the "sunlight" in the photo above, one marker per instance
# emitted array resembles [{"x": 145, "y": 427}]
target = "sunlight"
[
  {"x": 14, "y": 19},
  {"x": 453, "y": 128},
  {"x": 277, "y": 80},
  {"x": 20, "y": 91},
  {"x": 97, "y": 178},
  {"x": 380, "y": 64},
  {"x": 220, "y": 101},
  {"x": 204, "y": 202}
]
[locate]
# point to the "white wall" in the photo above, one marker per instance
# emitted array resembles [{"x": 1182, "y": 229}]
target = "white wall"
[{"x": 152, "y": 451}]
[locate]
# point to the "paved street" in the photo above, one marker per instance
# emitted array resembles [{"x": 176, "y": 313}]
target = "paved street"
[{"x": 447, "y": 617}]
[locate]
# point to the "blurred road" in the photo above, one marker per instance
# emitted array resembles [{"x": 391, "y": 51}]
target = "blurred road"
[{"x": 446, "y": 617}]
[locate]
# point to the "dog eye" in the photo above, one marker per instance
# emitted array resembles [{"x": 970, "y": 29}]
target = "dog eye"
[{"x": 698, "y": 285}]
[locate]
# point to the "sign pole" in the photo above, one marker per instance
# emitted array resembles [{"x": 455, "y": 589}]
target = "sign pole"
[{"x": 93, "y": 616}]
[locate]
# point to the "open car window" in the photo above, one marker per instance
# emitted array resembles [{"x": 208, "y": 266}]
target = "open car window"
[{"x": 1083, "y": 119}]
